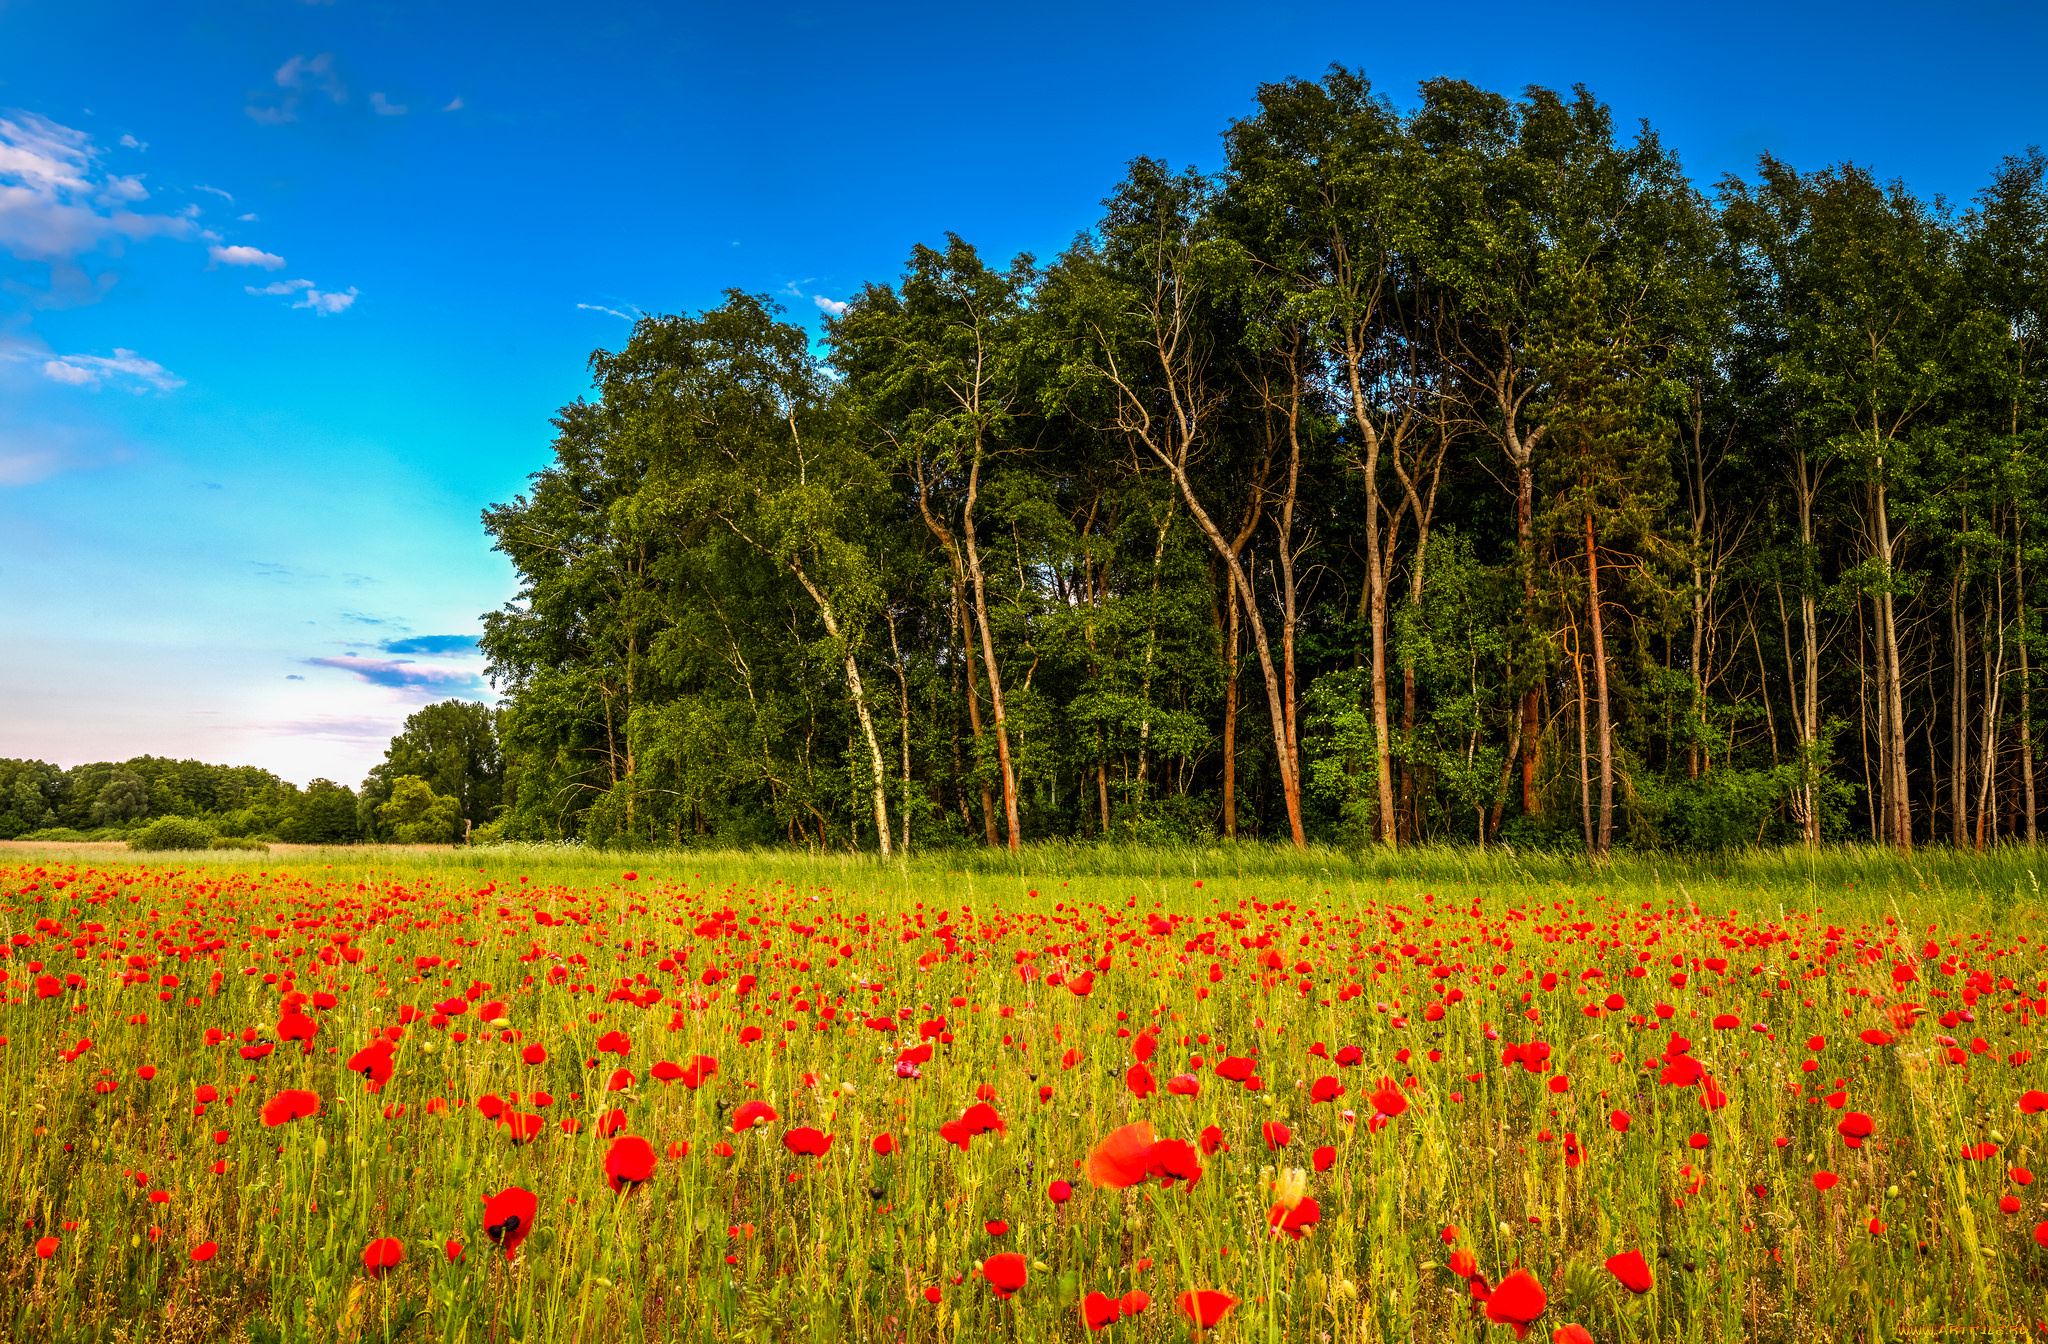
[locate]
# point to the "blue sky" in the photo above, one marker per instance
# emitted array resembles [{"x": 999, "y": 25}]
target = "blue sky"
[{"x": 289, "y": 291}]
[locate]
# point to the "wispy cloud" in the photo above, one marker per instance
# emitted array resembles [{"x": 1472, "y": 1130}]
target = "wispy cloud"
[
  {"x": 216, "y": 191},
  {"x": 57, "y": 204},
  {"x": 384, "y": 107},
  {"x": 327, "y": 305},
  {"x": 124, "y": 365},
  {"x": 238, "y": 255},
  {"x": 130, "y": 142},
  {"x": 401, "y": 673},
  {"x": 432, "y": 644},
  {"x": 832, "y": 306},
  {"x": 600, "y": 308},
  {"x": 297, "y": 77},
  {"x": 454, "y": 105},
  {"x": 278, "y": 287}
]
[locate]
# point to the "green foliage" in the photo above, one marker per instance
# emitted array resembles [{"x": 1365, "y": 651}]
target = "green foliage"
[
  {"x": 242, "y": 842},
  {"x": 416, "y": 815},
  {"x": 1170, "y": 490},
  {"x": 174, "y": 833}
]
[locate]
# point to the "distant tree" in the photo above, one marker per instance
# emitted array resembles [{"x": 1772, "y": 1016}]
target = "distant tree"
[
  {"x": 416, "y": 815},
  {"x": 325, "y": 814},
  {"x": 122, "y": 798},
  {"x": 453, "y": 747}
]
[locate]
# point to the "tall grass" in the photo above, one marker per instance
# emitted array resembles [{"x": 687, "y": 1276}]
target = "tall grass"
[{"x": 764, "y": 1245}]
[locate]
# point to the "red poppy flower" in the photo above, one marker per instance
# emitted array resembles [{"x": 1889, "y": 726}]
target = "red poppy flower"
[
  {"x": 1619, "y": 1121},
  {"x": 1296, "y": 1221},
  {"x": 508, "y": 1217},
  {"x": 290, "y": 1104},
  {"x": 1204, "y": 1308},
  {"x": 630, "y": 1161},
  {"x": 1325, "y": 1088},
  {"x": 807, "y": 1142},
  {"x": 666, "y": 1071},
  {"x": 46, "y": 1248},
  {"x": 614, "y": 1042},
  {"x": 883, "y": 1144},
  {"x": 1630, "y": 1269},
  {"x": 1571, "y": 1334},
  {"x": 1140, "y": 1080},
  {"x": 1135, "y": 1301},
  {"x": 1174, "y": 1160},
  {"x": 383, "y": 1254},
  {"x": 703, "y": 1068},
  {"x": 1324, "y": 1157},
  {"x": 1856, "y": 1127},
  {"x": 1099, "y": 1312},
  {"x": 373, "y": 1062},
  {"x": 1059, "y": 1192},
  {"x": 610, "y": 1123},
  {"x": 1350, "y": 1055},
  {"x": 1825, "y": 1180},
  {"x": 1124, "y": 1156},
  {"x": 2041, "y": 1235},
  {"x": 1276, "y": 1135},
  {"x": 1211, "y": 1139},
  {"x": 205, "y": 1251},
  {"x": 981, "y": 1118},
  {"x": 1517, "y": 1302},
  {"x": 1006, "y": 1273},
  {"x": 1464, "y": 1264},
  {"x": 1387, "y": 1099},
  {"x": 1236, "y": 1069},
  {"x": 2020, "y": 1176},
  {"x": 2034, "y": 1102},
  {"x": 750, "y": 1113},
  {"x": 996, "y": 1227},
  {"x": 534, "y": 1054},
  {"x": 452, "y": 1249}
]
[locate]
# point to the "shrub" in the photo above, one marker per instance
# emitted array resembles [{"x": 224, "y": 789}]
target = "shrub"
[
  {"x": 173, "y": 833},
  {"x": 55, "y": 833},
  {"x": 238, "y": 842}
]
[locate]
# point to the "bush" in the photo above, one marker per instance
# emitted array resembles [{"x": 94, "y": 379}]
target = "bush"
[
  {"x": 173, "y": 833},
  {"x": 238, "y": 842},
  {"x": 55, "y": 833}
]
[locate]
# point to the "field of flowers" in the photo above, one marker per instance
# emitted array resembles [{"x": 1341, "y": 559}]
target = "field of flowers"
[{"x": 527, "y": 1096}]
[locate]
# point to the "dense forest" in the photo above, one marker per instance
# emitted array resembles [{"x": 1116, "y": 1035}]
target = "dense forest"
[
  {"x": 1454, "y": 471},
  {"x": 441, "y": 777}
]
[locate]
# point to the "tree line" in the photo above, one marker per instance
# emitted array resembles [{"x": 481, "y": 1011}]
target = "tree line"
[
  {"x": 1452, "y": 471},
  {"x": 441, "y": 778}
]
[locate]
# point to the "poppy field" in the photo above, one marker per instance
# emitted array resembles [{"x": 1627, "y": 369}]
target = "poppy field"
[{"x": 526, "y": 1097}]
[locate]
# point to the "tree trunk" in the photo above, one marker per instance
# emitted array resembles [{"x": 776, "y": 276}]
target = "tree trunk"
[
  {"x": 1604, "y": 837},
  {"x": 1958, "y": 716},
  {"x": 1230, "y": 715},
  {"x": 1525, "y": 542},
  {"x": 2026, "y": 700},
  {"x": 903, "y": 706},
  {"x": 1894, "y": 746},
  {"x": 860, "y": 708},
  {"x": 988, "y": 652}
]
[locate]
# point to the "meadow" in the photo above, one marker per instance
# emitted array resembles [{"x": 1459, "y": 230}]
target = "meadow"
[{"x": 520, "y": 1094}]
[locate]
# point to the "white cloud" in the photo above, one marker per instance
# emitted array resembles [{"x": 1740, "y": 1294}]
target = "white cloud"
[
  {"x": 244, "y": 256},
  {"x": 130, "y": 142},
  {"x": 216, "y": 191},
  {"x": 383, "y": 107},
  {"x": 316, "y": 72},
  {"x": 454, "y": 106},
  {"x": 57, "y": 205},
  {"x": 92, "y": 370},
  {"x": 246, "y": 219},
  {"x": 278, "y": 287},
  {"x": 832, "y": 306},
  {"x": 326, "y": 305},
  {"x": 297, "y": 76},
  {"x": 600, "y": 308}
]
